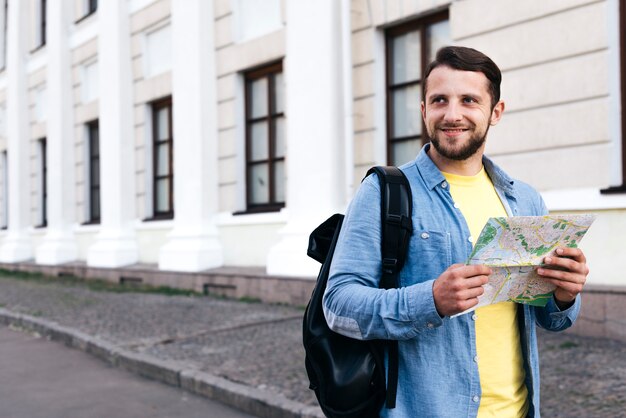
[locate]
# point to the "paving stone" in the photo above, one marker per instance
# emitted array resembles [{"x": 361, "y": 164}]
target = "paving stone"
[{"x": 259, "y": 346}]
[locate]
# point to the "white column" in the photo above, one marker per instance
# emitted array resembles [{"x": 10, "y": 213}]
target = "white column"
[
  {"x": 315, "y": 156},
  {"x": 59, "y": 245},
  {"x": 115, "y": 245},
  {"x": 193, "y": 243},
  {"x": 16, "y": 246}
]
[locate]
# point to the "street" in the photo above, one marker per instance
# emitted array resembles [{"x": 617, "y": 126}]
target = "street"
[{"x": 44, "y": 379}]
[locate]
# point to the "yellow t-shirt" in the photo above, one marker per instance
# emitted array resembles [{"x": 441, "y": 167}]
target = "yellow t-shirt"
[{"x": 500, "y": 362}]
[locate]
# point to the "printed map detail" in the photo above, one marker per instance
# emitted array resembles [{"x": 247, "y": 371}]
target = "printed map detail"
[{"x": 514, "y": 246}]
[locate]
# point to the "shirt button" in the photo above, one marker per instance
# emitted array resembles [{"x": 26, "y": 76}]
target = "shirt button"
[
  {"x": 425, "y": 235},
  {"x": 456, "y": 205},
  {"x": 444, "y": 184},
  {"x": 470, "y": 239},
  {"x": 430, "y": 325},
  {"x": 475, "y": 398},
  {"x": 475, "y": 359},
  {"x": 474, "y": 317}
]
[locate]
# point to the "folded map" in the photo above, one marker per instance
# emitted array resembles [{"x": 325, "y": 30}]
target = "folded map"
[{"x": 514, "y": 247}]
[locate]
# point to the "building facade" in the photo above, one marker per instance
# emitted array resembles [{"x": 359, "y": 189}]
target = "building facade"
[{"x": 190, "y": 135}]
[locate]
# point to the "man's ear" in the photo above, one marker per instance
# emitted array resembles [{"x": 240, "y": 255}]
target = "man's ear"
[
  {"x": 423, "y": 109},
  {"x": 496, "y": 113}
]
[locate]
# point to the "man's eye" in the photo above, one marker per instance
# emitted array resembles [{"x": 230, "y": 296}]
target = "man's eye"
[
  {"x": 439, "y": 100},
  {"x": 469, "y": 100}
]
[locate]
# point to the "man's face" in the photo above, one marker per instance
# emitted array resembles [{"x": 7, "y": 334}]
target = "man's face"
[{"x": 457, "y": 112}]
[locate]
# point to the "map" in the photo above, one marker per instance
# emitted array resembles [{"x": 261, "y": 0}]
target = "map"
[{"x": 513, "y": 248}]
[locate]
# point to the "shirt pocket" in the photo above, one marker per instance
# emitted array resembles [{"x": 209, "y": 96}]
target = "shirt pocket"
[{"x": 429, "y": 255}]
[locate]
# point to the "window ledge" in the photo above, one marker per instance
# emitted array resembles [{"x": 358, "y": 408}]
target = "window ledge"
[
  {"x": 154, "y": 224},
  {"x": 614, "y": 190},
  {"x": 85, "y": 17},
  {"x": 87, "y": 228},
  {"x": 583, "y": 199},
  {"x": 248, "y": 218}
]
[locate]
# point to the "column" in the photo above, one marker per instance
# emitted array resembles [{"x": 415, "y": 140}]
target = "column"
[
  {"x": 59, "y": 245},
  {"x": 17, "y": 244},
  {"x": 315, "y": 144},
  {"x": 193, "y": 244},
  {"x": 115, "y": 245}
]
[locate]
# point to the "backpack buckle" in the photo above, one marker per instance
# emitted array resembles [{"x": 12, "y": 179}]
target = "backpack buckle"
[
  {"x": 399, "y": 220},
  {"x": 389, "y": 265}
]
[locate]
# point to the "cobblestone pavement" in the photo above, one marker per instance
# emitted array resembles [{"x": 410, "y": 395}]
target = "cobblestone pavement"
[{"x": 259, "y": 345}]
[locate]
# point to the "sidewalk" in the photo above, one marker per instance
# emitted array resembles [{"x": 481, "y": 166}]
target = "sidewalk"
[{"x": 249, "y": 355}]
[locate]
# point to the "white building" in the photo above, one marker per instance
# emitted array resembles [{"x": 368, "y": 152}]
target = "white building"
[{"x": 198, "y": 136}]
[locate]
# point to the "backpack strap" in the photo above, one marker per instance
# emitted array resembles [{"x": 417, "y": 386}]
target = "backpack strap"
[{"x": 396, "y": 212}]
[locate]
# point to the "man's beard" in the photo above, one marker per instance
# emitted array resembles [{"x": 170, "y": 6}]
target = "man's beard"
[{"x": 468, "y": 149}]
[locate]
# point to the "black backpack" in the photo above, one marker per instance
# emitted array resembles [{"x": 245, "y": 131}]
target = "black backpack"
[{"x": 348, "y": 375}]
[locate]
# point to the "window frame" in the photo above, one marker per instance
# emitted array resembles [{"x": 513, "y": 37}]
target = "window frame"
[
  {"x": 92, "y": 188},
  {"x": 157, "y": 105},
  {"x": 419, "y": 24},
  {"x": 268, "y": 71},
  {"x": 4, "y": 155},
  {"x": 622, "y": 59},
  {"x": 90, "y": 7},
  {"x": 42, "y": 24},
  {"x": 43, "y": 167}
]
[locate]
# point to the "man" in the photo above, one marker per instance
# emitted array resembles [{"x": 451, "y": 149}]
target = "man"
[{"x": 483, "y": 363}]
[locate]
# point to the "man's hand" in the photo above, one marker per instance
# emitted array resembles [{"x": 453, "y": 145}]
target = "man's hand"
[
  {"x": 568, "y": 275},
  {"x": 458, "y": 288}
]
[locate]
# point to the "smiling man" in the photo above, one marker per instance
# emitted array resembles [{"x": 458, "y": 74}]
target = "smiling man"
[{"x": 484, "y": 363}]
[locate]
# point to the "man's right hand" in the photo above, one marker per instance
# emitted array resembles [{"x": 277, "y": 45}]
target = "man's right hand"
[{"x": 458, "y": 288}]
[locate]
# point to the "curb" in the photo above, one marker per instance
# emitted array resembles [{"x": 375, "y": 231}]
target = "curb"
[{"x": 242, "y": 397}]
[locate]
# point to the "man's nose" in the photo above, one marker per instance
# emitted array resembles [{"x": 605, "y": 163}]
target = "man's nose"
[{"x": 453, "y": 113}]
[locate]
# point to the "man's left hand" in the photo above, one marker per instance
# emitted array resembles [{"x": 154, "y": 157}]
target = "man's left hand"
[{"x": 568, "y": 275}]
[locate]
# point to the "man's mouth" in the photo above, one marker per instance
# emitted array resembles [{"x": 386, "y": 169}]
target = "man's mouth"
[{"x": 453, "y": 130}]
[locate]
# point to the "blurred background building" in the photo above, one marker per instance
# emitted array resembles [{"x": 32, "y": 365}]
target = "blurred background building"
[{"x": 196, "y": 143}]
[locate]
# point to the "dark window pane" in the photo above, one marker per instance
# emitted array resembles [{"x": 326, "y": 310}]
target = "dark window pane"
[
  {"x": 279, "y": 83},
  {"x": 162, "y": 195},
  {"x": 258, "y": 92},
  {"x": 407, "y": 118},
  {"x": 407, "y": 50},
  {"x": 163, "y": 160},
  {"x": 95, "y": 204},
  {"x": 437, "y": 36},
  {"x": 259, "y": 184},
  {"x": 279, "y": 132},
  {"x": 94, "y": 134},
  {"x": 279, "y": 181},
  {"x": 405, "y": 151},
  {"x": 259, "y": 143},
  {"x": 95, "y": 172},
  {"x": 163, "y": 124}
]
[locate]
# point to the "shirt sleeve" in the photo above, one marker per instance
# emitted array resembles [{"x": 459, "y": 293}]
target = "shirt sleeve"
[
  {"x": 353, "y": 303},
  {"x": 551, "y": 318}
]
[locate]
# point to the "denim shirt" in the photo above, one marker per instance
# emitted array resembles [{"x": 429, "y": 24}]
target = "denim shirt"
[{"x": 438, "y": 374}]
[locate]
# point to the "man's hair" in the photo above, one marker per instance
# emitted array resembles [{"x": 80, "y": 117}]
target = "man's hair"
[{"x": 467, "y": 59}]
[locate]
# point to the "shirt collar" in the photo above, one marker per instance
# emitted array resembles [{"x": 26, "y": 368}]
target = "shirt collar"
[{"x": 432, "y": 175}]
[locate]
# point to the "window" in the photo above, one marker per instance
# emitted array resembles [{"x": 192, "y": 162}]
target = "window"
[
  {"x": 40, "y": 24},
  {"x": 90, "y": 6},
  {"x": 622, "y": 32},
  {"x": 85, "y": 8},
  {"x": 3, "y": 34},
  {"x": 410, "y": 47},
  {"x": 43, "y": 195},
  {"x": 265, "y": 139},
  {"x": 4, "y": 160},
  {"x": 162, "y": 168},
  {"x": 93, "y": 191}
]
